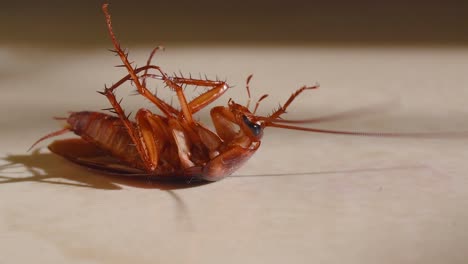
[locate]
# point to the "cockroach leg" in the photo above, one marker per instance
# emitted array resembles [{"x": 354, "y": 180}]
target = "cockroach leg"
[
  {"x": 293, "y": 96},
  {"x": 163, "y": 106},
  {"x": 143, "y": 90},
  {"x": 149, "y": 136},
  {"x": 134, "y": 132},
  {"x": 181, "y": 96},
  {"x": 217, "y": 88},
  {"x": 166, "y": 106}
]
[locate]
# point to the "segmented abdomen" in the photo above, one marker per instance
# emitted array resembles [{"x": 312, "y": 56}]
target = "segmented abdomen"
[{"x": 107, "y": 132}]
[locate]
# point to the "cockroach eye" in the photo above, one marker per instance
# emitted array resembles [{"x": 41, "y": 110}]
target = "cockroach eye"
[{"x": 255, "y": 128}]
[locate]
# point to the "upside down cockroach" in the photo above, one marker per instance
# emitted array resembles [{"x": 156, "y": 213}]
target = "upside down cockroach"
[{"x": 172, "y": 145}]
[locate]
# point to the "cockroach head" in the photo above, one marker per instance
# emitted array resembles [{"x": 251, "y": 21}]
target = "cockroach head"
[{"x": 249, "y": 123}]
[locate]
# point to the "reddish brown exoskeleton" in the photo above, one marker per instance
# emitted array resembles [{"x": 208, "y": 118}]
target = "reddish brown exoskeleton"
[{"x": 172, "y": 145}]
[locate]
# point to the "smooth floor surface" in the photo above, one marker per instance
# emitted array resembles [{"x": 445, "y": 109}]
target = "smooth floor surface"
[{"x": 303, "y": 198}]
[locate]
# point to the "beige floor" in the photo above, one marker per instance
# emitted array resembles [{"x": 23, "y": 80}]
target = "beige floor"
[{"x": 303, "y": 198}]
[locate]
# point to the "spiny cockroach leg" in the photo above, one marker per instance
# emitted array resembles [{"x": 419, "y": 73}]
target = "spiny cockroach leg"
[
  {"x": 124, "y": 57},
  {"x": 181, "y": 96},
  {"x": 217, "y": 88},
  {"x": 143, "y": 90},
  {"x": 171, "y": 109},
  {"x": 132, "y": 130},
  {"x": 282, "y": 109}
]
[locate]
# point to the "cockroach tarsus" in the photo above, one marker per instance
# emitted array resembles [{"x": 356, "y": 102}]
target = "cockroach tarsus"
[{"x": 173, "y": 145}]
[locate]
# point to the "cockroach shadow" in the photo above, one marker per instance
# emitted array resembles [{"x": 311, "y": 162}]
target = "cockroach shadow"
[{"x": 49, "y": 168}]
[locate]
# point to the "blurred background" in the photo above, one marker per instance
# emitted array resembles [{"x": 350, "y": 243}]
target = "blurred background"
[
  {"x": 346, "y": 45},
  {"x": 56, "y": 23}
]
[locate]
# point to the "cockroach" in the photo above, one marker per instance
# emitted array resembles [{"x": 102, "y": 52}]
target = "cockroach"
[{"x": 172, "y": 145}]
